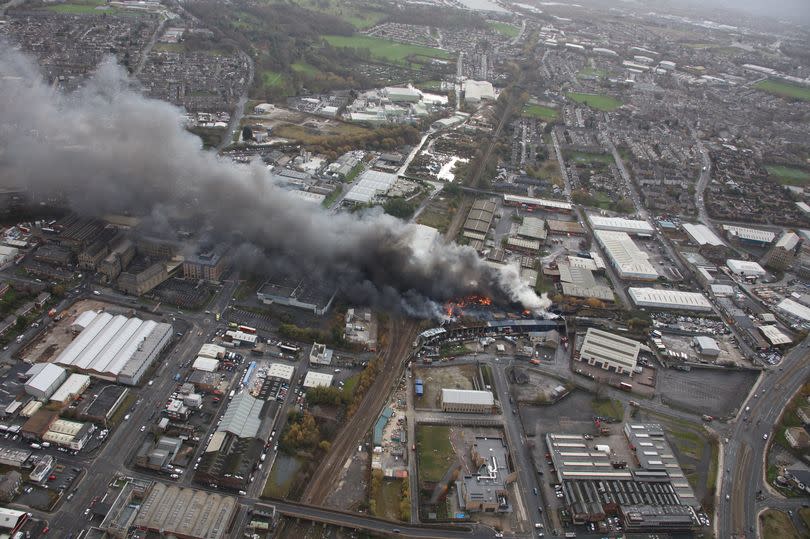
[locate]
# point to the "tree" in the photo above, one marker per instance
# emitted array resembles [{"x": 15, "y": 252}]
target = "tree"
[
  {"x": 325, "y": 446},
  {"x": 399, "y": 207},
  {"x": 22, "y": 323},
  {"x": 247, "y": 133}
]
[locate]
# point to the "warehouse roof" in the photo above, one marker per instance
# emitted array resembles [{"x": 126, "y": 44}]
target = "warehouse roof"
[
  {"x": 468, "y": 396},
  {"x": 533, "y": 228},
  {"x": 794, "y": 309},
  {"x": 774, "y": 335},
  {"x": 45, "y": 378},
  {"x": 370, "y": 184},
  {"x": 205, "y": 364},
  {"x": 243, "y": 416},
  {"x": 706, "y": 344},
  {"x": 745, "y": 267},
  {"x": 788, "y": 241},
  {"x": 73, "y": 386},
  {"x": 750, "y": 234},
  {"x": 625, "y": 255},
  {"x": 672, "y": 299},
  {"x": 279, "y": 370},
  {"x": 633, "y": 226},
  {"x": 186, "y": 512},
  {"x": 607, "y": 347},
  {"x": 317, "y": 379},
  {"x": 543, "y": 202},
  {"x": 211, "y": 350},
  {"x": 702, "y": 235}
]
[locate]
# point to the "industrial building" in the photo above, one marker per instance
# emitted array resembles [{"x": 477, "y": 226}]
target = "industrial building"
[
  {"x": 468, "y": 401},
  {"x": 479, "y": 220},
  {"x": 476, "y": 91},
  {"x": 774, "y": 335},
  {"x": 630, "y": 262},
  {"x": 642, "y": 482},
  {"x": 702, "y": 235},
  {"x": 783, "y": 253},
  {"x": 370, "y": 185},
  {"x": 207, "y": 264},
  {"x": 753, "y": 237},
  {"x": 794, "y": 309},
  {"x": 12, "y": 520},
  {"x": 115, "y": 348},
  {"x": 320, "y": 355},
  {"x": 296, "y": 290},
  {"x": 184, "y": 512},
  {"x": 577, "y": 280},
  {"x": 280, "y": 371},
  {"x": 620, "y": 224},
  {"x": 242, "y": 418},
  {"x": 706, "y": 346},
  {"x": 610, "y": 352},
  {"x": 72, "y": 388},
  {"x": 46, "y": 381},
  {"x": 487, "y": 490},
  {"x": 669, "y": 299},
  {"x": 317, "y": 379},
  {"x": 7, "y": 254},
  {"x": 544, "y": 203},
  {"x": 211, "y": 350},
  {"x": 206, "y": 364},
  {"x": 70, "y": 434},
  {"x": 745, "y": 268}
]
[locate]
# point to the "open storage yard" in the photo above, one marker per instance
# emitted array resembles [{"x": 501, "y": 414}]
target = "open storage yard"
[{"x": 445, "y": 377}]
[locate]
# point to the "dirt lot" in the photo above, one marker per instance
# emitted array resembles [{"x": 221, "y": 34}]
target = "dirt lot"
[
  {"x": 729, "y": 353},
  {"x": 444, "y": 377},
  {"x": 539, "y": 388},
  {"x": 643, "y": 383},
  {"x": 715, "y": 392},
  {"x": 352, "y": 490},
  {"x": 59, "y": 335}
]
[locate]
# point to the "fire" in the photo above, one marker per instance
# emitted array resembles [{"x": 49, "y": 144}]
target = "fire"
[{"x": 456, "y": 308}]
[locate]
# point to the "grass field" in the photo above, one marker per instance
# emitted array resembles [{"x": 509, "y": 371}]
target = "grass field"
[
  {"x": 306, "y": 135},
  {"x": 608, "y": 408},
  {"x": 605, "y": 103},
  {"x": 273, "y": 78},
  {"x": 784, "y": 89},
  {"x": 434, "y": 451},
  {"x": 804, "y": 514},
  {"x": 388, "y": 499},
  {"x": 506, "y": 29},
  {"x": 82, "y": 7},
  {"x": 305, "y": 69},
  {"x": 383, "y": 49},
  {"x": 540, "y": 112},
  {"x": 592, "y": 72},
  {"x": 777, "y": 525},
  {"x": 788, "y": 175},
  {"x": 586, "y": 157}
]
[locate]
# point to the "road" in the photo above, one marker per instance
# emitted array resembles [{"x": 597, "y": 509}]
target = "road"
[
  {"x": 744, "y": 454},
  {"x": 239, "y": 110},
  {"x": 641, "y": 211},
  {"x": 561, "y": 162}
]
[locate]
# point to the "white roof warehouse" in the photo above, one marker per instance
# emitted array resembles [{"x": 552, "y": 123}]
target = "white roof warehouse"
[
  {"x": 669, "y": 299},
  {"x": 610, "y": 352}
]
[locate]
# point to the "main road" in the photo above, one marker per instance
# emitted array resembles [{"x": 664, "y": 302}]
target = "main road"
[{"x": 744, "y": 455}]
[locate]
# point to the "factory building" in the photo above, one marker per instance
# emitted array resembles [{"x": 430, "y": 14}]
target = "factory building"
[
  {"x": 206, "y": 364},
  {"x": 116, "y": 348},
  {"x": 403, "y": 95},
  {"x": 706, "y": 346},
  {"x": 476, "y": 91},
  {"x": 242, "y": 418},
  {"x": 211, "y": 350},
  {"x": 745, "y": 268},
  {"x": 185, "y": 512},
  {"x": 610, "y": 352},
  {"x": 487, "y": 490},
  {"x": 620, "y": 224},
  {"x": 630, "y": 262},
  {"x": 543, "y": 203},
  {"x": 140, "y": 280},
  {"x": 669, "y": 299},
  {"x": 468, "y": 401},
  {"x": 317, "y": 379},
  {"x": 44, "y": 383},
  {"x": 299, "y": 291},
  {"x": 752, "y": 237},
  {"x": 206, "y": 265},
  {"x": 783, "y": 253},
  {"x": 774, "y": 335},
  {"x": 74, "y": 386},
  {"x": 370, "y": 185},
  {"x": 7, "y": 255}
]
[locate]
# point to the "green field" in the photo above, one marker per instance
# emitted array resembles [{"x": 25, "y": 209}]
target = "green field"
[
  {"x": 506, "y": 29},
  {"x": 82, "y": 7},
  {"x": 305, "y": 69},
  {"x": 784, "y": 89},
  {"x": 540, "y": 112},
  {"x": 388, "y": 499},
  {"x": 434, "y": 452},
  {"x": 592, "y": 72},
  {"x": 777, "y": 525},
  {"x": 273, "y": 78},
  {"x": 605, "y": 103},
  {"x": 788, "y": 175},
  {"x": 383, "y": 49},
  {"x": 608, "y": 408},
  {"x": 587, "y": 157}
]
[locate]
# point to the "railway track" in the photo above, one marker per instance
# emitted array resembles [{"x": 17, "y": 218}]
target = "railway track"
[{"x": 322, "y": 482}]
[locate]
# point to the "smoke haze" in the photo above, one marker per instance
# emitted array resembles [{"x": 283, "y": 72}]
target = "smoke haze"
[{"x": 105, "y": 149}]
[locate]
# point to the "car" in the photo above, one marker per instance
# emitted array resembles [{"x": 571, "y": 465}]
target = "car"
[
  {"x": 765, "y": 436},
  {"x": 534, "y": 490},
  {"x": 175, "y": 476},
  {"x": 395, "y": 530},
  {"x": 87, "y": 511},
  {"x": 728, "y": 497},
  {"x": 143, "y": 428}
]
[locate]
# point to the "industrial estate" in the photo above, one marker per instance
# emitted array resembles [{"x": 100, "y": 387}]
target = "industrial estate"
[{"x": 466, "y": 268}]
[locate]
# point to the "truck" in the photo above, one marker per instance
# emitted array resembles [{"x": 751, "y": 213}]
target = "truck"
[
  {"x": 46, "y": 444},
  {"x": 707, "y": 418},
  {"x": 624, "y": 386},
  {"x": 247, "y": 329}
]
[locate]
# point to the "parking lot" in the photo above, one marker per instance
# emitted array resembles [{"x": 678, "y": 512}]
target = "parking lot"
[{"x": 716, "y": 392}]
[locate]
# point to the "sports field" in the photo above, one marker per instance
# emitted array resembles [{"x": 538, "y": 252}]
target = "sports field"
[
  {"x": 605, "y": 103},
  {"x": 784, "y": 89},
  {"x": 386, "y": 50},
  {"x": 788, "y": 175},
  {"x": 540, "y": 112}
]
